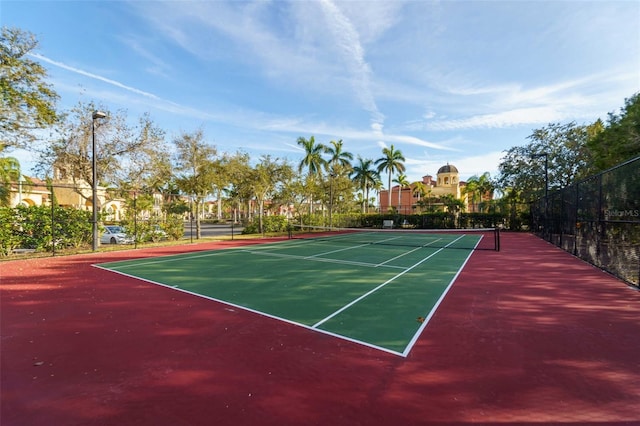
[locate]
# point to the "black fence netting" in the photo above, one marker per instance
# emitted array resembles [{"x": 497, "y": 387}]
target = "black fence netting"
[{"x": 597, "y": 219}]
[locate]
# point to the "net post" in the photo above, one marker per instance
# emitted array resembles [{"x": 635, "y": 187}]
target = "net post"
[{"x": 496, "y": 238}]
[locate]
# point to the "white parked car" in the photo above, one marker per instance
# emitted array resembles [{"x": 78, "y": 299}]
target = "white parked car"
[{"x": 115, "y": 235}]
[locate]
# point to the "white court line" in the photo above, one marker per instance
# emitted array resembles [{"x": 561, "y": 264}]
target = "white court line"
[
  {"x": 367, "y": 294},
  {"x": 264, "y": 314},
  {"x": 320, "y": 259},
  {"x": 411, "y": 251},
  {"x": 413, "y": 341},
  {"x": 354, "y": 247},
  {"x": 339, "y": 250},
  {"x": 314, "y": 328},
  {"x": 168, "y": 258}
]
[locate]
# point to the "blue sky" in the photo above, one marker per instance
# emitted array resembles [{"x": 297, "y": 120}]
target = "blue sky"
[{"x": 454, "y": 82}]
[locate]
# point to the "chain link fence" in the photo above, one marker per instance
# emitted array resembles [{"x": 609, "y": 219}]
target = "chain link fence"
[{"x": 597, "y": 220}]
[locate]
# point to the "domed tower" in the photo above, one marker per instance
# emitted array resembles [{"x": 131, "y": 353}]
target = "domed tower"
[{"x": 448, "y": 176}]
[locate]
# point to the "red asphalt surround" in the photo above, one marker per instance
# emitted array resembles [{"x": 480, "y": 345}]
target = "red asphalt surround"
[{"x": 529, "y": 335}]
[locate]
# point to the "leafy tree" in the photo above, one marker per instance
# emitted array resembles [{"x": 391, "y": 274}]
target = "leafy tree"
[
  {"x": 561, "y": 146},
  {"x": 511, "y": 204},
  {"x": 238, "y": 191},
  {"x": 452, "y": 204},
  {"x": 27, "y": 102},
  {"x": 146, "y": 159},
  {"x": 392, "y": 162},
  {"x": 619, "y": 139},
  {"x": 194, "y": 162},
  {"x": 265, "y": 178},
  {"x": 294, "y": 192},
  {"x": 130, "y": 158},
  {"x": 220, "y": 181}
]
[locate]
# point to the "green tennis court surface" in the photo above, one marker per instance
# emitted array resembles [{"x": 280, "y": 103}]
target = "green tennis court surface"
[{"x": 380, "y": 292}]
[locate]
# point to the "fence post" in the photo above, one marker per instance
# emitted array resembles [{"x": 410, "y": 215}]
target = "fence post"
[
  {"x": 53, "y": 223},
  {"x": 576, "y": 226}
]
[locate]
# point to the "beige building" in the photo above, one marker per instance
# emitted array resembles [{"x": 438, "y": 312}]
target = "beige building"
[
  {"x": 31, "y": 191},
  {"x": 447, "y": 182},
  {"x": 28, "y": 191},
  {"x": 406, "y": 201}
]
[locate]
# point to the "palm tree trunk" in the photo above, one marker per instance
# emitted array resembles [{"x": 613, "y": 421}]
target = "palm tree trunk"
[
  {"x": 366, "y": 200},
  {"x": 389, "y": 206}
]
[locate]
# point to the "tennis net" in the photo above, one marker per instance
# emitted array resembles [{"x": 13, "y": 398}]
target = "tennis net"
[{"x": 469, "y": 239}]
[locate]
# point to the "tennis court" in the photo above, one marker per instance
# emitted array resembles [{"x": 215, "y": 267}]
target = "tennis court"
[
  {"x": 377, "y": 289},
  {"x": 527, "y": 335}
]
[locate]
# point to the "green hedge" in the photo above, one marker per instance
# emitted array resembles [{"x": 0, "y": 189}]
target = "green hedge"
[
  {"x": 270, "y": 224},
  {"x": 33, "y": 228},
  {"x": 435, "y": 220}
]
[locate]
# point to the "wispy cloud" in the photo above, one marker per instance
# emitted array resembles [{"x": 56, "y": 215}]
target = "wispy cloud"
[
  {"x": 511, "y": 105},
  {"x": 94, "y": 76},
  {"x": 348, "y": 42},
  {"x": 312, "y": 46},
  {"x": 412, "y": 140},
  {"x": 516, "y": 117},
  {"x": 246, "y": 118},
  {"x": 158, "y": 67},
  {"x": 157, "y": 103}
]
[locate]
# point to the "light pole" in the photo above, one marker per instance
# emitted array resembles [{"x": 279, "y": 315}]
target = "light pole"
[{"x": 94, "y": 170}]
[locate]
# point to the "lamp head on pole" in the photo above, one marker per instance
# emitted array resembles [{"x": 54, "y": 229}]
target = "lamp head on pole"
[{"x": 99, "y": 114}]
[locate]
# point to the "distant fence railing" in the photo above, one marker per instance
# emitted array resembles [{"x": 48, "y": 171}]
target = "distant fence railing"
[{"x": 597, "y": 219}]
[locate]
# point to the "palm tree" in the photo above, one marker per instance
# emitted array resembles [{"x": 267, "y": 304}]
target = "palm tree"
[
  {"x": 313, "y": 162},
  {"x": 392, "y": 161},
  {"x": 471, "y": 189},
  {"x": 377, "y": 187},
  {"x": 365, "y": 177},
  {"x": 485, "y": 188},
  {"x": 338, "y": 156},
  {"x": 9, "y": 172},
  {"x": 402, "y": 182},
  {"x": 419, "y": 189}
]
